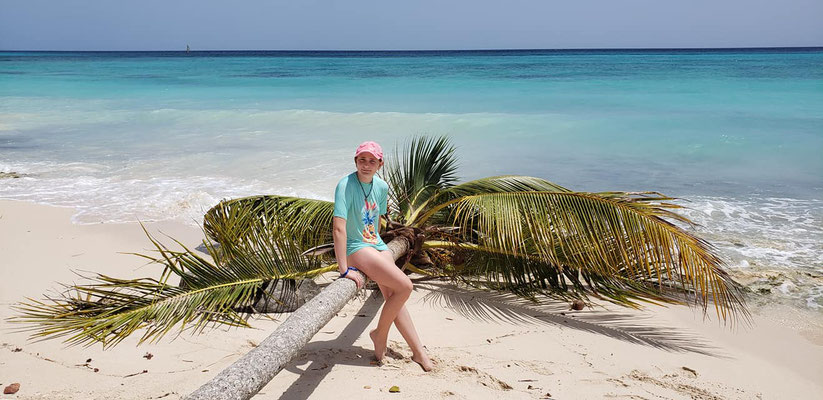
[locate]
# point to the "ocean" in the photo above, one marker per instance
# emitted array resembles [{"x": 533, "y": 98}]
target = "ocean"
[{"x": 736, "y": 133}]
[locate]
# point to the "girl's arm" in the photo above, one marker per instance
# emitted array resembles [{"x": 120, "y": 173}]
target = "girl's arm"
[{"x": 339, "y": 235}]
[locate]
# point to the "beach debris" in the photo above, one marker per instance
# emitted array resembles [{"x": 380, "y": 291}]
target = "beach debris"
[
  {"x": 690, "y": 370},
  {"x": 145, "y": 371},
  {"x": 324, "y": 366},
  {"x": 16, "y": 350},
  {"x": 11, "y": 389},
  {"x": 394, "y": 389},
  {"x": 367, "y": 387},
  {"x": 450, "y": 319},
  {"x": 148, "y": 356},
  {"x": 526, "y": 380},
  {"x": 97, "y": 370},
  {"x": 88, "y": 360},
  {"x": 11, "y": 175},
  {"x": 578, "y": 305}
]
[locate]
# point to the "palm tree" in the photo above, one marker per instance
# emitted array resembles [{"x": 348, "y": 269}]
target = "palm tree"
[{"x": 520, "y": 234}]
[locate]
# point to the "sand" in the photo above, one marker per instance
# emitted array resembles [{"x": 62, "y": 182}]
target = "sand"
[{"x": 485, "y": 345}]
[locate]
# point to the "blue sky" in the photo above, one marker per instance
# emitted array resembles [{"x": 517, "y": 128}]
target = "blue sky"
[{"x": 410, "y": 24}]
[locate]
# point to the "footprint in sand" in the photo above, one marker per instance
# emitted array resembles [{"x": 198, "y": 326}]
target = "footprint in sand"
[
  {"x": 484, "y": 378},
  {"x": 682, "y": 381}
]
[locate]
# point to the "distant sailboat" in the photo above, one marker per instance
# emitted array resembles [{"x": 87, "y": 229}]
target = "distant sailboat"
[{"x": 188, "y": 50}]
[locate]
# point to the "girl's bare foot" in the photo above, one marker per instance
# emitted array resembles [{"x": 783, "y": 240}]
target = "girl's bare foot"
[
  {"x": 424, "y": 361},
  {"x": 379, "y": 345}
]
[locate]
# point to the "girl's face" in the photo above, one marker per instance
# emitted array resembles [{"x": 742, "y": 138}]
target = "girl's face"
[{"x": 367, "y": 164}]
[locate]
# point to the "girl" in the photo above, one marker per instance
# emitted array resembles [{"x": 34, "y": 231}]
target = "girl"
[{"x": 359, "y": 200}]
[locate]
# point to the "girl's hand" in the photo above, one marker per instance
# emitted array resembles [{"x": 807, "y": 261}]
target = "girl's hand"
[
  {"x": 355, "y": 275},
  {"x": 357, "y": 278}
]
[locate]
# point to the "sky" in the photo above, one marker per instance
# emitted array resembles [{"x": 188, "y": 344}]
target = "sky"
[{"x": 406, "y": 24}]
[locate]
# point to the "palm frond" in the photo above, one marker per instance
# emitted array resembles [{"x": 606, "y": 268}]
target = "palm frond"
[
  {"x": 437, "y": 214},
  {"x": 502, "y": 184},
  {"x": 107, "y": 310},
  {"x": 653, "y": 203},
  {"x": 307, "y": 222},
  {"x": 615, "y": 239},
  {"x": 422, "y": 167},
  {"x": 527, "y": 275}
]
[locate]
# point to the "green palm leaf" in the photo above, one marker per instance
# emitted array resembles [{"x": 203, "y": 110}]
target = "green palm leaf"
[
  {"x": 307, "y": 222},
  {"x": 110, "y": 309},
  {"x": 503, "y": 183},
  {"x": 495, "y": 184},
  {"x": 423, "y": 167},
  {"x": 528, "y": 276},
  {"x": 612, "y": 239}
]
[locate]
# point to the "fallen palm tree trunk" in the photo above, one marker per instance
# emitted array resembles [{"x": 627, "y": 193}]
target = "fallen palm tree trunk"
[{"x": 253, "y": 371}]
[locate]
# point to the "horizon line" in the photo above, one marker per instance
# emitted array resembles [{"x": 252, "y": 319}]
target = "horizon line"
[{"x": 428, "y": 50}]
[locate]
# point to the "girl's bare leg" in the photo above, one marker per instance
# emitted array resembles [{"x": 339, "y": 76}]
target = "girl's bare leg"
[
  {"x": 404, "y": 324},
  {"x": 385, "y": 273}
]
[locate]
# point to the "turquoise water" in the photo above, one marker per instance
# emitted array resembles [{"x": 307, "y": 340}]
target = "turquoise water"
[{"x": 153, "y": 135}]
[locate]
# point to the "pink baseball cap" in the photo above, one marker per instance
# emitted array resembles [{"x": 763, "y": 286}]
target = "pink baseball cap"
[{"x": 370, "y": 147}]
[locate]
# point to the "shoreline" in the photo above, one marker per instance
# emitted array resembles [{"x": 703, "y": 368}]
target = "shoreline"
[{"x": 484, "y": 344}]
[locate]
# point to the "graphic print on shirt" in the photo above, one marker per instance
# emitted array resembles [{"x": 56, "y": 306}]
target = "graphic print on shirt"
[{"x": 369, "y": 218}]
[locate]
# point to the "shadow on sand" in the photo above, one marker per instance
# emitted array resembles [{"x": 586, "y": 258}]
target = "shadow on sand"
[
  {"x": 477, "y": 305},
  {"x": 322, "y": 355},
  {"x": 508, "y": 308}
]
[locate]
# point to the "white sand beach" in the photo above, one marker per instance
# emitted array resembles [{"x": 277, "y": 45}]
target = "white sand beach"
[{"x": 484, "y": 345}]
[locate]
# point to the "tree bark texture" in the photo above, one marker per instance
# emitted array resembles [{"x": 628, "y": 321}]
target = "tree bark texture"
[{"x": 248, "y": 375}]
